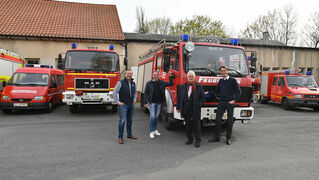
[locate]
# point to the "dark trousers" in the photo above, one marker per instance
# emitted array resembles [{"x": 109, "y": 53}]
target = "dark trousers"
[
  {"x": 222, "y": 106},
  {"x": 192, "y": 123}
]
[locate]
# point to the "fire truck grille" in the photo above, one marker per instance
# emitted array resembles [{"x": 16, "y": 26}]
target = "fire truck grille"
[
  {"x": 92, "y": 84},
  {"x": 311, "y": 96},
  {"x": 21, "y": 100}
]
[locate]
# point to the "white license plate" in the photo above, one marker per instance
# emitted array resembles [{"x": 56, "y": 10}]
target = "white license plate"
[{"x": 20, "y": 104}]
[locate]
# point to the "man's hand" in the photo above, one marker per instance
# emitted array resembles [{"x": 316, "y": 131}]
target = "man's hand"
[
  {"x": 170, "y": 74},
  {"x": 232, "y": 102},
  {"x": 121, "y": 103},
  {"x": 134, "y": 101},
  {"x": 146, "y": 106},
  {"x": 206, "y": 92}
]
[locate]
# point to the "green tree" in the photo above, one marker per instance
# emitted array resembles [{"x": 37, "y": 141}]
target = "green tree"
[
  {"x": 142, "y": 24},
  {"x": 199, "y": 26},
  {"x": 160, "y": 25}
]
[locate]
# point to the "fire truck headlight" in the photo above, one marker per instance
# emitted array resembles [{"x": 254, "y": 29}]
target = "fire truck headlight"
[
  {"x": 38, "y": 98},
  {"x": 5, "y": 98},
  {"x": 69, "y": 96},
  {"x": 298, "y": 96},
  {"x": 245, "y": 113}
]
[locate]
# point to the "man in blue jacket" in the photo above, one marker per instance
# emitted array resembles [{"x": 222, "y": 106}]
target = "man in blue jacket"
[
  {"x": 154, "y": 95},
  {"x": 127, "y": 98},
  {"x": 228, "y": 92}
]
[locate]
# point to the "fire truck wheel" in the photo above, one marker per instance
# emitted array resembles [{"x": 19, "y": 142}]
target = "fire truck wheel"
[
  {"x": 316, "y": 108},
  {"x": 50, "y": 107},
  {"x": 6, "y": 111},
  {"x": 114, "y": 108},
  {"x": 73, "y": 108},
  {"x": 167, "y": 122},
  {"x": 285, "y": 104}
]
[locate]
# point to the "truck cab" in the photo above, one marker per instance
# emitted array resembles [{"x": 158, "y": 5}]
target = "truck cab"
[{"x": 33, "y": 87}]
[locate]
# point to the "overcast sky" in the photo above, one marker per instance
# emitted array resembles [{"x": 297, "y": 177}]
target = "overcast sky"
[{"x": 234, "y": 14}]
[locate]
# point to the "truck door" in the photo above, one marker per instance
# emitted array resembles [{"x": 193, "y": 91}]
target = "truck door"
[
  {"x": 53, "y": 88},
  {"x": 281, "y": 88},
  {"x": 274, "y": 89}
]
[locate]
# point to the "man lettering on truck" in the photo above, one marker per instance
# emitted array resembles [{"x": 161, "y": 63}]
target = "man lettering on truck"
[
  {"x": 228, "y": 91},
  {"x": 127, "y": 98},
  {"x": 154, "y": 95}
]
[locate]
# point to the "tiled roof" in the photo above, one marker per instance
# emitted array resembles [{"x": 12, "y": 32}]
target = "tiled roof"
[{"x": 55, "y": 19}]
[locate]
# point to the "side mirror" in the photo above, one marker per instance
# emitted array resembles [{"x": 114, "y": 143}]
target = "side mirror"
[
  {"x": 4, "y": 83},
  {"x": 60, "y": 62},
  {"x": 261, "y": 68},
  {"x": 166, "y": 63},
  {"x": 125, "y": 61}
]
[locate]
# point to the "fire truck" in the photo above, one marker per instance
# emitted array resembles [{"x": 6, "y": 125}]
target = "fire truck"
[
  {"x": 9, "y": 63},
  {"x": 91, "y": 75},
  {"x": 290, "y": 89},
  {"x": 204, "y": 59}
]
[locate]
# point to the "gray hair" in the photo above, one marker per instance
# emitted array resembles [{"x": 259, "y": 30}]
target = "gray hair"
[{"x": 191, "y": 72}]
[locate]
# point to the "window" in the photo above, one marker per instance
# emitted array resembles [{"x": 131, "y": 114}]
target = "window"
[
  {"x": 32, "y": 60},
  {"x": 158, "y": 61},
  {"x": 60, "y": 79},
  {"x": 281, "y": 82},
  {"x": 52, "y": 82},
  {"x": 274, "y": 83},
  {"x": 174, "y": 59}
]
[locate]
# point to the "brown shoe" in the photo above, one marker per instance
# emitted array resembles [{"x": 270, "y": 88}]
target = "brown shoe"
[
  {"x": 121, "y": 141},
  {"x": 132, "y": 137}
]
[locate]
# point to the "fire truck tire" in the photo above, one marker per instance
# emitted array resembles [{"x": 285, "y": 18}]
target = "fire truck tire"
[
  {"x": 114, "y": 108},
  {"x": 50, "y": 107},
  {"x": 6, "y": 111},
  {"x": 316, "y": 108},
  {"x": 285, "y": 104},
  {"x": 166, "y": 118},
  {"x": 73, "y": 108}
]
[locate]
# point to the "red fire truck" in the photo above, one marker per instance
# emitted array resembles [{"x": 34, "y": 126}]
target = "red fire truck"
[
  {"x": 289, "y": 89},
  {"x": 204, "y": 59},
  {"x": 91, "y": 75}
]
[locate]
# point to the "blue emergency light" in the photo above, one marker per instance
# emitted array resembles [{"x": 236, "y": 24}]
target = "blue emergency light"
[
  {"x": 249, "y": 57},
  {"x": 38, "y": 66},
  {"x": 308, "y": 72},
  {"x": 234, "y": 41},
  {"x": 74, "y": 45},
  {"x": 111, "y": 47},
  {"x": 287, "y": 72},
  {"x": 185, "y": 38}
]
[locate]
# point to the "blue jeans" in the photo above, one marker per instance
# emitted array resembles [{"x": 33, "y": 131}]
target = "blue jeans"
[
  {"x": 155, "y": 109},
  {"x": 126, "y": 114}
]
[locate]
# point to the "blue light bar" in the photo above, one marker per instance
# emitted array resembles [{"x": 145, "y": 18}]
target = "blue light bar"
[
  {"x": 234, "y": 41},
  {"x": 308, "y": 72},
  {"x": 185, "y": 38},
  {"x": 74, "y": 45},
  {"x": 111, "y": 47},
  {"x": 287, "y": 72},
  {"x": 29, "y": 65},
  {"x": 249, "y": 57}
]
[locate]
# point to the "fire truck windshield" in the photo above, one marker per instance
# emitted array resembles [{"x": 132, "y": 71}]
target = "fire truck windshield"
[
  {"x": 92, "y": 61},
  {"x": 206, "y": 60},
  {"x": 29, "y": 79},
  {"x": 301, "y": 81}
]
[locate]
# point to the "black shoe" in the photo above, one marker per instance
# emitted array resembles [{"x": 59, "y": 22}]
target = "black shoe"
[
  {"x": 228, "y": 142},
  {"x": 213, "y": 140},
  {"x": 197, "y": 144},
  {"x": 189, "y": 141}
]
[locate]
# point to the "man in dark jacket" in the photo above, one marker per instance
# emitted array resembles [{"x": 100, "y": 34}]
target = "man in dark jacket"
[
  {"x": 154, "y": 95},
  {"x": 189, "y": 102},
  {"x": 127, "y": 98},
  {"x": 228, "y": 92}
]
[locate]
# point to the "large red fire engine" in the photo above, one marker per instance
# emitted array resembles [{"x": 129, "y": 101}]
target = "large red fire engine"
[
  {"x": 291, "y": 90},
  {"x": 91, "y": 75},
  {"x": 204, "y": 59}
]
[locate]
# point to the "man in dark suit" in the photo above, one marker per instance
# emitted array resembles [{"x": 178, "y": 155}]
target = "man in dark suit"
[{"x": 189, "y": 102}]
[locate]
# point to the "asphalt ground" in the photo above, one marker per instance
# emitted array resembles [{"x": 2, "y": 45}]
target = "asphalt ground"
[{"x": 278, "y": 144}]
